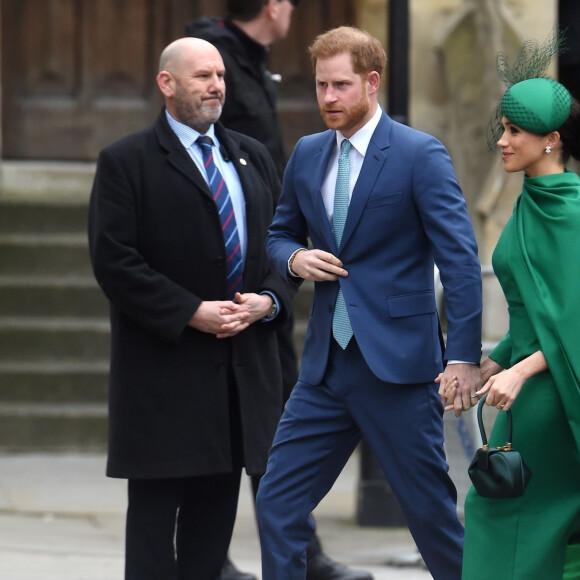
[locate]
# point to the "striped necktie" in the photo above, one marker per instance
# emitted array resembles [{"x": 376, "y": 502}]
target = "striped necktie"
[
  {"x": 222, "y": 198},
  {"x": 341, "y": 328}
]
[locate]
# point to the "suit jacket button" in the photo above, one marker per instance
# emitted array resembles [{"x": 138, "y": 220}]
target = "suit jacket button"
[
  {"x": 219, "y": 261},
  {"x": 329, "y": 308}
]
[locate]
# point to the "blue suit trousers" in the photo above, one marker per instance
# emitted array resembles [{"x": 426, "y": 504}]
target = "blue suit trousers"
[{"x": 320, "y": 428}]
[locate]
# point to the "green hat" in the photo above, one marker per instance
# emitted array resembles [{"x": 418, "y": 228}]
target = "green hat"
[
  {"x": 538, "y": 105},
  {"x": 533, "y": 101}
]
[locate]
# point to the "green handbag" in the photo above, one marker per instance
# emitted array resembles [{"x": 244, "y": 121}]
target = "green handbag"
[{"x": 501, "y": 472}]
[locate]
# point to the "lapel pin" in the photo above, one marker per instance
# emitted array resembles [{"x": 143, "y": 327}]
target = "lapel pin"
[{"x": 243, "y": 161}]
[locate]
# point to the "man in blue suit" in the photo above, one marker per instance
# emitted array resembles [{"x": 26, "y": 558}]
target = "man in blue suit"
[{"x": 379, "y": 210}]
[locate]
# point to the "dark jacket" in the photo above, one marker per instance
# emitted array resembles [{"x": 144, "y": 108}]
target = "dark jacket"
[
  {"x": 250, "y": 108},
  {"x": 157, "y": 251},
  {"x": 250, "y": 105}
]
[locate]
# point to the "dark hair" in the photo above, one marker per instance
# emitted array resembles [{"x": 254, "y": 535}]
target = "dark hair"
[
  {"x": 366, "y": 52},
  {"x": 246, "y": 10},
  {"x": 570, "y": 133}
]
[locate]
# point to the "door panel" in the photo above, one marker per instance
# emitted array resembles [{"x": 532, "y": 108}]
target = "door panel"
[{"x": 78, "y": 74}]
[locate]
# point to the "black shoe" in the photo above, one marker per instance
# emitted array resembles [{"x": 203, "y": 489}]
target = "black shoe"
[
  {"x": 320, "y": 567},
  {"x": 230, "y": 572}
]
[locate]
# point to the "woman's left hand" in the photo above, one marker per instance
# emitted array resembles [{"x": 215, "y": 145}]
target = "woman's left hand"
[{"x": 503, "y": 388}]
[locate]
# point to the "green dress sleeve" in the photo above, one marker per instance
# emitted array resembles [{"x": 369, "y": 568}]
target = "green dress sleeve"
[{"x": 502, "y": 353}]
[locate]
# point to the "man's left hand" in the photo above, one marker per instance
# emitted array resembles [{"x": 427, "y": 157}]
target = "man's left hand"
[{"x": 457, "y": 386}]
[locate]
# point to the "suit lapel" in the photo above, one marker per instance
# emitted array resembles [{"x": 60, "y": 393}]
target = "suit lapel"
[
  {"x": 180, "y": 159},
  {"x": 178, "y": 156},
  {"x": 241, "y": 160},
  {"x": 373, "y": 163},
  {"x": 247, "y": 174}
]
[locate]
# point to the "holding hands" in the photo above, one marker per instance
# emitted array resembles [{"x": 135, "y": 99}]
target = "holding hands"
[
  {"x": 501, "y": 386},
  {"x": 458, "y": 384}
]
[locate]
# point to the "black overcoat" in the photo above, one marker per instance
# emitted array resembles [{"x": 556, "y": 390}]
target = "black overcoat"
[{"x": 157, "y": 251}]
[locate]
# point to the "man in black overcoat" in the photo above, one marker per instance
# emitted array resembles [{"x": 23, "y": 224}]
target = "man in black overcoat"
[{"x": 195, "y": 379}]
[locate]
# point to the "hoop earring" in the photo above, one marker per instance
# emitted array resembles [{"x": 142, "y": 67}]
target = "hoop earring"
[{"x": 548, "y": 149}]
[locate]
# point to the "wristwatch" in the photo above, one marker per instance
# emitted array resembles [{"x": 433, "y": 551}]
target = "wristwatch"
[{"x": 273, "y": 310}]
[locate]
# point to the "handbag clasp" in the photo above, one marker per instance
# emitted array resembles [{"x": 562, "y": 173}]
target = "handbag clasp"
[{"x": 506, "y": 447}]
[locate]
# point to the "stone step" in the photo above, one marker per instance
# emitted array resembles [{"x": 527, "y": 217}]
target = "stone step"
[
  {"x": 67, "y": 381},
  {"x": 54, "y": 328},
  {"x": 41, "y": 296},
  {"x": 19, "y": 217},
  {"x": 44, "y": 254},
  {"x": 53, "y": 427},
  {"x": 53, "y": 339},
  {"x": 46, "y": 182}
]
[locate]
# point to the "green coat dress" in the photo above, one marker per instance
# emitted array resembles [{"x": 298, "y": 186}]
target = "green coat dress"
[{"x": 537, "y": 261}]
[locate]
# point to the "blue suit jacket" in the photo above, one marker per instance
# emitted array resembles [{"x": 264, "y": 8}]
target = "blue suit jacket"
[{"x": 407, "y": 212}]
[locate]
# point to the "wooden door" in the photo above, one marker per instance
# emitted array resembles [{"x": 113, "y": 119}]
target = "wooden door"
[{"x": 78, "y": 74}]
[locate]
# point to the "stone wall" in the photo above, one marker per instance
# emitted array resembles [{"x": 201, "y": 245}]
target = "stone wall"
[{"x": 453, "y": 81}]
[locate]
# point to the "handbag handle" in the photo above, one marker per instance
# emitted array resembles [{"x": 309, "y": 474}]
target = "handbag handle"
[{"x": 508, "y": 445}]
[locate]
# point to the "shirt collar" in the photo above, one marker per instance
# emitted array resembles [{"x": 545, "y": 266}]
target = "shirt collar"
[
  {"x": 186, "y": 134},
  {"x": 361, "y": 139}
]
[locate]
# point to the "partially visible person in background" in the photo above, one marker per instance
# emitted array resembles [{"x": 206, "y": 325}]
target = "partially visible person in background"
[
  {"x": 243, "y": 38},
  {"x": 177, "y": 224},
  {"x": 569, "y": 61},
  {"x": 535, "y": 369}
]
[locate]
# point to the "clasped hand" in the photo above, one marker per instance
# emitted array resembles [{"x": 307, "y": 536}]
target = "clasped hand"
[
  {"x": 458, "y": 384},
  {"x": 226, "y": 318}
]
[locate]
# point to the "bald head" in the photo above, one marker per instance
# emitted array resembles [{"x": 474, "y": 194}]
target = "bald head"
[
  {"x": 183, "y": 50},
  {"x": 191, "y": 78}
]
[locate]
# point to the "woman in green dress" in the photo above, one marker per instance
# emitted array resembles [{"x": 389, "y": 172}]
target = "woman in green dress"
[{"x": 535, "y": 369}]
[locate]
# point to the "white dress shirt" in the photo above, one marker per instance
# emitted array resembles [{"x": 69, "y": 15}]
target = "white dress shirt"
[{"x": 360, "y": 142}]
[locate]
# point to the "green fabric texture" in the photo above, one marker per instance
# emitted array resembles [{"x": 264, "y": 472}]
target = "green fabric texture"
[
  {"x": 549, "y": 206},
  {"x": 502, "y": 353},
  {"x": 572, "y": 562},
  {"x": 537, "y": 105}
]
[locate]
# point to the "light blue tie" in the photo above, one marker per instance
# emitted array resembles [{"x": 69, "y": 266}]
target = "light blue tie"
[{"x": 341, "y": 328}]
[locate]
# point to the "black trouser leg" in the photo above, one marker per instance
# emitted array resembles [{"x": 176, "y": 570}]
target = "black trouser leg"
[
  {"x": 150, "y": 528},
  {"x": 179, "y": 529},
  {"x": 205, "y": 525}
]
